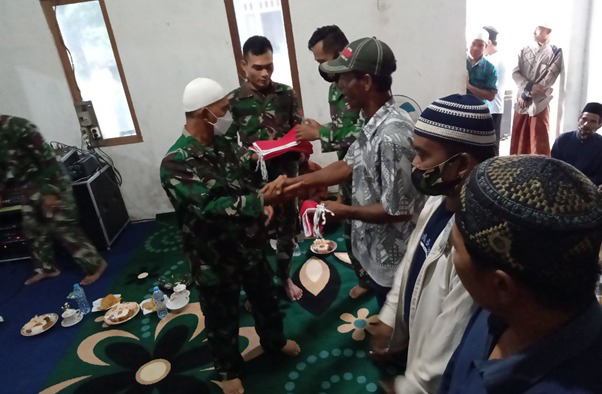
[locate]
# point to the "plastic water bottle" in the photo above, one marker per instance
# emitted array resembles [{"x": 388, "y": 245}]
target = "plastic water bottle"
[
  {"x": 297, "y": 251},
  {"x": 80, "y": 298},
  {"x": 160, "y": 304}
]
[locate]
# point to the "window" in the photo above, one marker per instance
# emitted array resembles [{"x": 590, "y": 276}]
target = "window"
[
  {"x": 272, "y": 19},
  {"x": 86, "y": 45}
]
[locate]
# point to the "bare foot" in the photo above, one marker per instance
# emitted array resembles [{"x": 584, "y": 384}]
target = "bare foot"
[
  {"x": 42, "y": 275},
  {"x": 94, "y": 277},
  {"x": 291, "y": 348},
  {"x": 292, "y": 290},
  {"x": 232, "y": 386},
  {"x": 358, "y": 291}
]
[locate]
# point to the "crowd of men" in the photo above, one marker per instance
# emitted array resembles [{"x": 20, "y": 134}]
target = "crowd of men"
[{"x": 484, "y": 268}]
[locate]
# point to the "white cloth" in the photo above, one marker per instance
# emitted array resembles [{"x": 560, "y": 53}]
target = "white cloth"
[
  {"x": 439, "y": 312},
  {"x": 311, "y": 228},
  {"x": 497, "y": 105}
]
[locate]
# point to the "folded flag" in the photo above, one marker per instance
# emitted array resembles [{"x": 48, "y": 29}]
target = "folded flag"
[
  {"x": 313, "y": 218},
  {"x": 268, "y": 149}
]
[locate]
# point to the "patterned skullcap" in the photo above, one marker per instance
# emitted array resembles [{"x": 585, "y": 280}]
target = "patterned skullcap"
[
  {"x": 537, "y": 218},
  {"x": 458, "y": 118}
]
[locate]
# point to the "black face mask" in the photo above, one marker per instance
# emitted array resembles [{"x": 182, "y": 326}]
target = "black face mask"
[
  {"x": 327, "y": 76},
  {"x": 429, "y": 181}
]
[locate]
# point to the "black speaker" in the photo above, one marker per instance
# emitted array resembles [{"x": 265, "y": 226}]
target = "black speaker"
[{"x": 102, "y": 212}]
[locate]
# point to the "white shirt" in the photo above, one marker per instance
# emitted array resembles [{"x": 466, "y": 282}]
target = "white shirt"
[
  {"x": 440, "y": 309},
  {"x": 497, "y": 105}
]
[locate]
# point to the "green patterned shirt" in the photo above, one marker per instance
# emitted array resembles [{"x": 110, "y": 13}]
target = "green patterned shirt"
[
  {"x": 214, "y": 190},
  {"x": 264, "y": 115},
  {"x": 345, "y": 125}
]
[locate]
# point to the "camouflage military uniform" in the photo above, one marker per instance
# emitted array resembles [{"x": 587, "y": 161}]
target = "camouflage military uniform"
[
  {"x": 27, "y": 161},
  {"x": 267, "y": 116},
  {"x": 337, "y": 136},
  {"x": 214, "y": 190}
]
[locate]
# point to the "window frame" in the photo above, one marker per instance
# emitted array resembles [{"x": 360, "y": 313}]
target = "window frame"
[
  {"x": 49, "y": 12},
  {"x": 290, "y": 43}
]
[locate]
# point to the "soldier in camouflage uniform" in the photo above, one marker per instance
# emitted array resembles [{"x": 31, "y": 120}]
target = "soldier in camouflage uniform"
[
  {"x": 338, "y": 135},
  {"x": 213, "y": 186},
  {"x": 27, "y": 162},
  {"x": 267, "y": 110}
]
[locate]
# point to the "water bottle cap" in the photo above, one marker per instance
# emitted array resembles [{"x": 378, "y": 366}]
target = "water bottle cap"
[
  {"x": 156, "y": 288},
  {"x": 75, "y": 286}
]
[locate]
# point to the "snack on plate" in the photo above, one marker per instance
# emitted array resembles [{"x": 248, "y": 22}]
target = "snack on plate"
[
  {"x": 121, "y": 312},
  {"x": 322, "y": 245},
  {"x": 149, "y": 305},
  {"x": 109, "y": 301},
  {"x": 38, "y": 324}
]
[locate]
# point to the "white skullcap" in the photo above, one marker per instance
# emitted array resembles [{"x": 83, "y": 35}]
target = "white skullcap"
[
  {"x": 480, "y": 34},
  {"x": 545, "y": 23},
  {"x": 201, "y": 92}
]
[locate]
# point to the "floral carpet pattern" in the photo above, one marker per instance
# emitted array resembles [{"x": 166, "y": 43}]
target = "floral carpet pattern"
[{"x": 148, "y": 355}]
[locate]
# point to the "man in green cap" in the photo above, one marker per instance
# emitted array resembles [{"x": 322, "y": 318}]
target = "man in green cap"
[
  {"x": 337, "y": 136},
  {"x": 266, "y": 110},
  {"x": 384, "y": 201}
]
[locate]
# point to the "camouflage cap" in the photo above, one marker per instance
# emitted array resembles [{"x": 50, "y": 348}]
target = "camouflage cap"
[{"x": 368, "y": 55}]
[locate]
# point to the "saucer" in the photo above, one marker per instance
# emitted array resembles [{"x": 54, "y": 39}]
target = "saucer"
[{"x": 74, "y": 322}]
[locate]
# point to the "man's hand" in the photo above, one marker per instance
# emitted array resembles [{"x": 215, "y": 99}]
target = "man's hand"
[
  {"x": 309, "y": 130},
  {"x": 341, "y": 211},
  {"x": 600, "y": 189},
  {"x": 537, "y": 89},
  {"x": 268, "y": 211},
  {"x": 49, "y": 204},
  {"x": 522, "y": 104},
  {"x": 381, "y": 336},
  {"x": 282, "y": 188}
]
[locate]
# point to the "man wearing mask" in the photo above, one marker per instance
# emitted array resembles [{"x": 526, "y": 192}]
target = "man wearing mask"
[
  {"x": 266, "y": 110},
  {"x": 213, "y": 186},
  {"x": 427, "y": 309},
  {"x": 536, "y": 72},
  {"x": 384, "y": 202},
  {"x": 583, "y": 148},
  {"x": 346, "y": 123}
]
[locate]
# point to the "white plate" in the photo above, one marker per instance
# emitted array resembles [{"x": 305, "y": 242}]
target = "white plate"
[
  {"x": 96, "y": 304},
  {"x": 74, "y": 322},
  {"x": 147, "y": 311},
  {"x": 332, "y": 243},
  {"x": 179, "y": 304},
  {"x": 54, "y": 318},
  {"x": 112, "y": 323}
]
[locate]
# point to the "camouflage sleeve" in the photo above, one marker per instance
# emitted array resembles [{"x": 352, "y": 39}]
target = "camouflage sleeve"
[
  {"x": 296, "y": 111},
  {"x": 50, "y": 176},
  {"x": 245, "y": 157},
  {"x": 197, "y": 192},
  {"x": 339, "y": 134},
  {"x": 232, "y": 132}
]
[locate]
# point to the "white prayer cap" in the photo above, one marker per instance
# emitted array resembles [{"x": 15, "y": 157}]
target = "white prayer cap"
[
  {"x": 201, "y": 92},
  {"x": 545, "y": 23},
  {"x": 479, "y": 34}
]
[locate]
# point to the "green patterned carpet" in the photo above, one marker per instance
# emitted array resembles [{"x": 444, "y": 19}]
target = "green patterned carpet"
[{"x": 144, "y": 356}]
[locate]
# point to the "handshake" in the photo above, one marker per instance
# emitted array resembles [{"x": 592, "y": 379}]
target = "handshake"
[{"x": 282, "y": 189}]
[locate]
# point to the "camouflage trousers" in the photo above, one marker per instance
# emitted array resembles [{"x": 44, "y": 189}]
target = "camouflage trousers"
[
  {"x": 220, "y": 305},
  {"x": 63, "y": 225},
  {"x": 363, "y": 279},
  {"x": 285, "y": 222}
]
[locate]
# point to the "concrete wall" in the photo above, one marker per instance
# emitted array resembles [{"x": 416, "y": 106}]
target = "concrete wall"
[{"x": 165, "y": 43}]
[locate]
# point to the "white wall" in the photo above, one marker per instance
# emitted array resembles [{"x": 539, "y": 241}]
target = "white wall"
[
  {"x": 165, "y": 43},
  {"x": 427, "y": 38}
]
